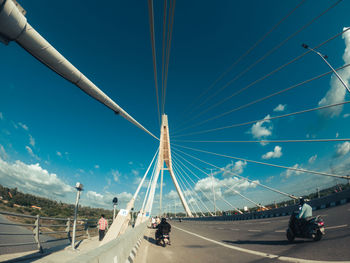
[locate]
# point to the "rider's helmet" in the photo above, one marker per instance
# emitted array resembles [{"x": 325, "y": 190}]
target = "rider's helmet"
[
  {"x": 163, "y": 220},
  {"x": 301, "y": 201}
]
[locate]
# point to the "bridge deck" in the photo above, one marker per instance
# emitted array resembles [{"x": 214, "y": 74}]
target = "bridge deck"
[{"x": 258, "y": 238}]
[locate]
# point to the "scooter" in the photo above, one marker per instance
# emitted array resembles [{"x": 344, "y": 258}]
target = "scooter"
[
  {"x": 314, "y": 228},
  {"x": 164, "y": 240}
]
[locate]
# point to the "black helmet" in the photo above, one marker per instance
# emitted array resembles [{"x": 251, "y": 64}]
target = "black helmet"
[
  {"x": 301, "y": 201},
  {"x": 163, "y": 220}
]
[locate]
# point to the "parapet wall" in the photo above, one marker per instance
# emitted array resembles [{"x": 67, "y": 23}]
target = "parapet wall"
[
  {"x": 117, "y": 250},
  {"x": 316, "y": 204}
]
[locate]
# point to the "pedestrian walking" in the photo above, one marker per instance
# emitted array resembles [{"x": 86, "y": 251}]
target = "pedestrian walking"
[{"x": 102, "y": 227}]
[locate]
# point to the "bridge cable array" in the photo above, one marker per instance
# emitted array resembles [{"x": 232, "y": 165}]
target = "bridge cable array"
[
  {"x": 259, "y": 80},
  {"x": 192, "y": 106},
  {"x": 264, "y": 57}
]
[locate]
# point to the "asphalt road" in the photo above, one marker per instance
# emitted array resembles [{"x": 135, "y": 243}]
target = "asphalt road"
[
  {"x": 18, "y": 237},
  {"x": 261, "y": 240}
]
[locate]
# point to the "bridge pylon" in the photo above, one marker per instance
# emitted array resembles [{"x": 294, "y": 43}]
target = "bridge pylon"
[{"x": 165, "y": 163}]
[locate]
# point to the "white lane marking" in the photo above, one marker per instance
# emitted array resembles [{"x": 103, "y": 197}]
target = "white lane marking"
[
  {"x": 280, "y": 231},
  {"x": 220, "y": 228},
  {"x": 334, "y": 227},
  {"x": 254, "y": 230},
  {"x": 236, "y": 229},
  {"x": 268, "y": 222},
  {"x": 261, "y": 254}
]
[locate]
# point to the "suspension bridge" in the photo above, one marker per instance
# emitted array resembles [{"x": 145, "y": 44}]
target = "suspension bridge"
[{"x": 208, "y": 196}]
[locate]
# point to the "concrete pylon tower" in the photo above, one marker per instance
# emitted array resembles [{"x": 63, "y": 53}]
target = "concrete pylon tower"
[{"x": 165, "y": 163}]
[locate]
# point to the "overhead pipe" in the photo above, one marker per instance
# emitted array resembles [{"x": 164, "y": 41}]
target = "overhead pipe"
[{"x": 14, "y": 27}]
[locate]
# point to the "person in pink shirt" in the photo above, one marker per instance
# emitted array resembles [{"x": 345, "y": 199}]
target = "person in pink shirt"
[{"x": 102, "y": 227}]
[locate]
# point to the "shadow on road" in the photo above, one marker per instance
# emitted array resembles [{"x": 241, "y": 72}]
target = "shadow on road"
[
  {"x": 195, "y": 246},
  {"x": 265, "y": 242},
  {"x": 150, "y": 239}
]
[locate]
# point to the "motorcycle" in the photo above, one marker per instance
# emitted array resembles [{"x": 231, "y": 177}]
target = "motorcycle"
[
  {"x": 164, "y": 240},
  {"x": 313, "y": 228}
]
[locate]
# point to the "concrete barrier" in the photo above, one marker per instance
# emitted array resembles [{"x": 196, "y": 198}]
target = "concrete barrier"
[
  {"x": 115, "y": 251},
  {"x": 316, "y": 204}
]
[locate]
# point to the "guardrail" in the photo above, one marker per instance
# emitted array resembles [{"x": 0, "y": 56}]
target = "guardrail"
[
  {"x": 61, "y": 228},
  {"x": 316, "y": 204}
]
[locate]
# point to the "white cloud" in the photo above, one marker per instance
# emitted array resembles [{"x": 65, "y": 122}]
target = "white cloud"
[
  {"x": 337, "y": 92},
  {"x": 269, "y": 179},
  {"x": 1, "y": 116},
  {"x": 337, "y": 135},
  {"x": 280, "y": 108},
  {"x": 289, "y": 172},
  {"x": 31, "y": 178},
  {"x": 96, "y": 166},
  {"x": 259, "y": 131},
  {"x": 239, "y": 166},
  {"x": 116, "y": 175},
  {"x": 230, "y": 168},
  {"x": 221, "y": 187},
  {"x": 31, "y": 153},
  {"x": 31, "y": 140},
  {"x": 104, "y": 200},
  {"x": 312, "y": 159},
  {"x": 346, "y": 115},
  {"x": 130, "y": 163},
  {"x": 3, "y": 153},
  {"x": 172, "y": 195},
  {"x": 343, "y": 149},
  {"x": 25, "y": 127},
  {"x": 135, "y": 172},
  {"x": 59, "y": 154},
  {"x": 277, "y": 153}
]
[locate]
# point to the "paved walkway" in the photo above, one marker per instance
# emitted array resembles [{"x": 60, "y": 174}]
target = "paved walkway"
[{"x": 54, "y": 255}]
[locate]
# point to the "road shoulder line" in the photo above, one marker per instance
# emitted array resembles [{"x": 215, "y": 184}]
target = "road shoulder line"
[{"x": 257, "y": 253}]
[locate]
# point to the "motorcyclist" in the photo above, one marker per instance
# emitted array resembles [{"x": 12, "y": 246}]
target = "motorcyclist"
[
  {"x": 163, "y": 228},
  {"x": 305, "y": 212}
]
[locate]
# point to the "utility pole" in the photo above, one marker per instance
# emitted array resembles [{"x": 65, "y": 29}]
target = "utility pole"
[
  {"x": 115, "y": 202},
  {"x": 318, "y": 192},
  {"x": 79, "y": 188},
  {"x": 324, "y": 57}
]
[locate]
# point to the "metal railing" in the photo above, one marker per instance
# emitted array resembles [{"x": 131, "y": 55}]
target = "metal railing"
[{"x": 58, "y": 229}]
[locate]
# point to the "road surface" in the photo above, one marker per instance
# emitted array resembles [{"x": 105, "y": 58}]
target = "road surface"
[{"x": 261, "y": 240}]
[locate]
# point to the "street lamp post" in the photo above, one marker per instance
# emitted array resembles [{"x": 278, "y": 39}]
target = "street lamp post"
[
  {"x": 212, "y": 186},
  {"x": 325, "y": 60},
  {"x": 79, "y": 187},
  {"x": 115, "y": 202}
]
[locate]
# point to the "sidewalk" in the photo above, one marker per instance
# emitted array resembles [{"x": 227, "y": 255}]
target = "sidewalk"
[{"x": 53, "y": 255}]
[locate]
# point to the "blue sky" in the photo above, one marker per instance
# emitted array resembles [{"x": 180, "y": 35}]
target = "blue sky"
[{"x": 53, "y": 135}]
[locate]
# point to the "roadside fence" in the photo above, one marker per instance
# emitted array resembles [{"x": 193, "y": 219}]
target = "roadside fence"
[{"x": 46, "y": 229}]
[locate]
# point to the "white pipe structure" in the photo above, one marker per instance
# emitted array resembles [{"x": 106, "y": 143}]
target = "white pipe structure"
[
  {"x": 191, "y": 191},
  {"x": 200, "y": 200},
  {"x": 141, "y": 215},
  {"x": 14, "y": 27},
  {"x": 176, "y": 171},
  {"x": 121, "y": 222}
]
